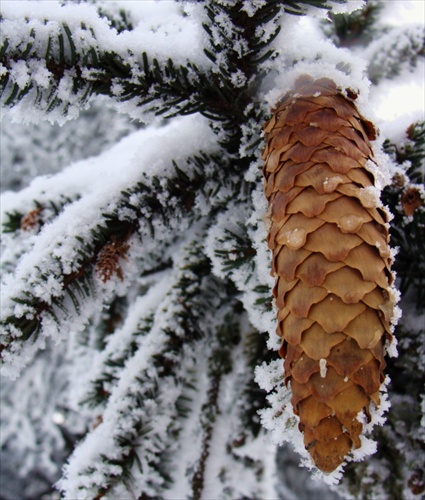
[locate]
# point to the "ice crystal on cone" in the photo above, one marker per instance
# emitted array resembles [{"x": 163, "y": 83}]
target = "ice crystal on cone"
[{"x": 331, "y": 259}]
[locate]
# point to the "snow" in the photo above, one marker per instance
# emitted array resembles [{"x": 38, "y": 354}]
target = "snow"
[
  {"x": 323, "y": 367},
  {"x": 402, "y": 100},
  {"x": 320, "y": 60},
  {"x": 251, "y": 7},
  {"x": 165, "y": 29},
  {"x": 347, "y": 7},
  {"x": 399, "y": 12},
  {"x": 19, "y": 73}
]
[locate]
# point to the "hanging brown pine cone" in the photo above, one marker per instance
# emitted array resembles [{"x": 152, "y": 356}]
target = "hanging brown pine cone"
[{"x": 332, "y": 264}]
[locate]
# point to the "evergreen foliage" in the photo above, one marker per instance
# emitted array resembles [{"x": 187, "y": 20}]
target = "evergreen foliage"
[
  {"x": 404, "y": 195},
  {"x": 136, "y": 301},
  {"x": 398, "y": 50},
  {"x": 390, "y": 50},
  {"x": 357, "y": 28}
]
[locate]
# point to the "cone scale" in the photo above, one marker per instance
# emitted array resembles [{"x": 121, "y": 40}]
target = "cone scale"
[{"x": 331, "y": 260}]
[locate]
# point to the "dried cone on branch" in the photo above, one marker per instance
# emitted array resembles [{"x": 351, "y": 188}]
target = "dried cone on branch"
[{"x": 332, "y": 264}]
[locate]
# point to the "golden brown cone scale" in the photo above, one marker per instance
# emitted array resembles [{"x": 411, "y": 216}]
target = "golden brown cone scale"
[{"x": 332, "y": 264}]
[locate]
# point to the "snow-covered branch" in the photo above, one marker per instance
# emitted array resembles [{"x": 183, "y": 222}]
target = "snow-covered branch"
[
  {"x": 54, "y": 58},
  {"x": 398, "y": 51},
  {"x": 90, "y": 245},
  {"x": 154, "y": 364}
]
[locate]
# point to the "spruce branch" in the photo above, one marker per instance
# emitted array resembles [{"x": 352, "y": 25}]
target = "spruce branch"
[
  {"x": 301, "y": 7},
  {"x": 233, "y": 253},
  {"x": 60, "y": 67},
  {"x": 60, "y": 289},
  {"x": 397, "y": 51},
  {"x": 210, "y": 409},
  {"x": 406, "y": 198},
  {"x": 54, "y": 70},
  {"x": 165, "y": 349},
  {"x": 54, "y": 73},
  {"x": 357, "y": 28},
  {"x": 105, "y": 375}
]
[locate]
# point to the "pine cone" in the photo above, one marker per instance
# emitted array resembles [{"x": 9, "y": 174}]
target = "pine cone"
[{"x": 331, "y": 260}]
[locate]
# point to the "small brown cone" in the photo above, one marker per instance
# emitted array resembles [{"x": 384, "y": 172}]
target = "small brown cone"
[{"x": 332, "y": 264}]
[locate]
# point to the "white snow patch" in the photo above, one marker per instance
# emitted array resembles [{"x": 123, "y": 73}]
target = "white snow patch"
[
  {"x": 323, "y": 367},
  {"x": 318, "y": 59}
]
